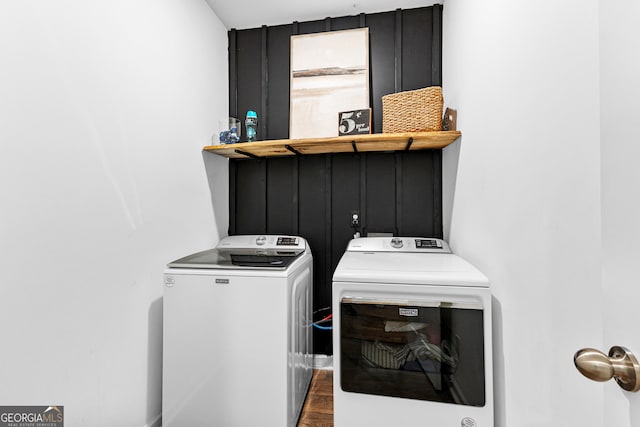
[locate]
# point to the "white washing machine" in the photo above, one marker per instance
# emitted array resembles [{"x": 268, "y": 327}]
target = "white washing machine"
[
  {"x": 237, "y": 343},
  {"x": 412, "y": 336}
]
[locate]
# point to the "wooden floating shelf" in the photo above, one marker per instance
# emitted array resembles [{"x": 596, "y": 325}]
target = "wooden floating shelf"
[{"x": 339, "y": 144}]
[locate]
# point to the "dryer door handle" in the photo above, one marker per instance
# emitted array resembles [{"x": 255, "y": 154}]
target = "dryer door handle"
[{"x": 621, "y": 364}]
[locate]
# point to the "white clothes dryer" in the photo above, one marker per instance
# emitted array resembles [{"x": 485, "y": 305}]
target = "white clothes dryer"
[
  {"x": 412, "y": 341},
  {"x": 237, "y": 343}
]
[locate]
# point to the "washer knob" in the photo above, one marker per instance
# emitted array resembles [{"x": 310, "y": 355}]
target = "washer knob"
[
  {"x": 261, "y": 240},
  {"x": 396, "y": 242}
]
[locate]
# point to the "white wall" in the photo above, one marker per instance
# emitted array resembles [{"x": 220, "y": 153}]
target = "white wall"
[
  {"x": 104, "y": 109},
  {"x": 523, "y": 193}
]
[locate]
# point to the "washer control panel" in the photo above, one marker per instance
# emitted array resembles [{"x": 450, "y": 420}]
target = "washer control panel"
[
  {"x": 287, "y": 241},
  {"x": 261, "y": 244}
]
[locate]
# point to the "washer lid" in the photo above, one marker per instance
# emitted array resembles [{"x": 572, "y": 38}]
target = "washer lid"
[
  {"x": 215, "y": 259},
  {"x": 408, "y": 268},
  {"x": 247, "y": 252}
]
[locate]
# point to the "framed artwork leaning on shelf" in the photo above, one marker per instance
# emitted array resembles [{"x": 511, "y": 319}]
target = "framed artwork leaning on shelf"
[{"x": 329, "y": 74}]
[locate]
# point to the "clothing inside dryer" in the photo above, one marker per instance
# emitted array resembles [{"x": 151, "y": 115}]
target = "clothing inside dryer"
[{"x": 429, "y": 350}]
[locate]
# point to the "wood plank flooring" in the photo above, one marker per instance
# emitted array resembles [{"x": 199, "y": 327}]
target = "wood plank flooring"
[{"x": 318, "y": 407}]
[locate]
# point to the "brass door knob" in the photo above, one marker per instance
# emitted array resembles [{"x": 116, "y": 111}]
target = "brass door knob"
[{"x": 621, "y": 365}]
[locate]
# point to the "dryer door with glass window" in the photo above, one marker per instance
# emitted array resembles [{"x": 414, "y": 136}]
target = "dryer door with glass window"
[{"x": 426, "y": 350}]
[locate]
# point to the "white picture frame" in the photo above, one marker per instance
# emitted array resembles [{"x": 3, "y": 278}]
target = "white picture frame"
[{"x": 329, "y": 74}]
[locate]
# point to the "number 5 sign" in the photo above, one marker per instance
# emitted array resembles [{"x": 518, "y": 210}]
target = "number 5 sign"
[{"x": 354, "y": 122}]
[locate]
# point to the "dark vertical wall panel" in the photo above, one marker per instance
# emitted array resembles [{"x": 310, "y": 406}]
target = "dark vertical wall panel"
[
  {"x": 345, "y": 196},
  {"x": 263, "y": 112},
  {"x": 436, "y": 46},
  {"x": 313, "y": 196},
  {"x": 250, "y": 197},
  {"x": 398, "y": 51},
  {"x": 310, "y": 27},
  {"x": 233, "y": 182},
  {"x": 312, "y": 224},
  {"x": 345, "y": 23},
  {"x": 249, "y": 74},
  {"x": 278, "y": 48},
  {"x": 382, "y": 61},
  {"x": 381, "y": 193},
  {"x": 399, "y": 191},
  {"x": 280, "y": 195},
  {"x": 436, "y": 192},
  {"x": 416, "y": 48},
  {"x": 233, "y": 73},
  {"x": 421, "y": 208}
]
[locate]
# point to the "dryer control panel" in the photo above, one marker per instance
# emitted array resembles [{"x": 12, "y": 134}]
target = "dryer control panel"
[
  {"x": 399, "y": 244},
  {"x": 428, "y": 244}
]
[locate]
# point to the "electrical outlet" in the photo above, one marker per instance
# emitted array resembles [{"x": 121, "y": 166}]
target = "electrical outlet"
[{"x": 355, "y": 219}]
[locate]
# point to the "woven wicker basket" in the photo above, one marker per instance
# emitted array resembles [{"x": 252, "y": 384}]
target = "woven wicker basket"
[{"x": 417, "y": 110}]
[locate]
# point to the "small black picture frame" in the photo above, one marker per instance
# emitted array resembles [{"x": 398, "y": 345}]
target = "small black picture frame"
[{"x": 354, "y": 122}]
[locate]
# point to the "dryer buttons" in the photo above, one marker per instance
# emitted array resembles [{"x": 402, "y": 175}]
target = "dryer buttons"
[{"x": 428, "y": 244}]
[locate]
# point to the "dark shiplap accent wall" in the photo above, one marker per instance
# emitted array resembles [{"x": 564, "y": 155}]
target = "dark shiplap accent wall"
[{"x": 313, "y": 196}]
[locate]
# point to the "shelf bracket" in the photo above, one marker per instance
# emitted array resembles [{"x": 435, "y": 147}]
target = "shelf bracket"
[
  {"x": 353, "y": 145},
  {"x": 293, "y": 150},
  {"x": 408, "y": 144},
  {"x": 244, "y": 153}
]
